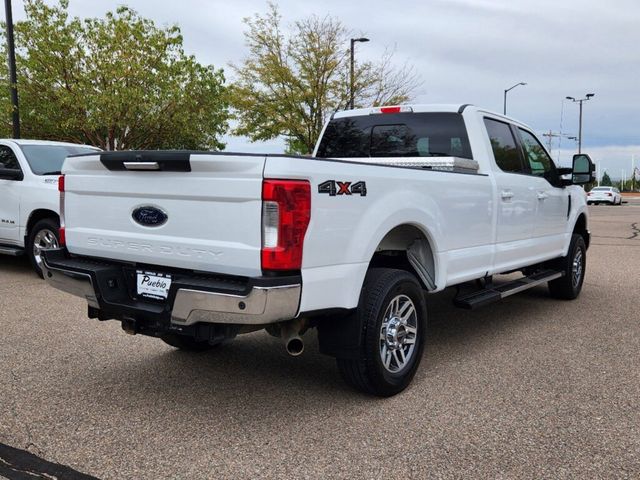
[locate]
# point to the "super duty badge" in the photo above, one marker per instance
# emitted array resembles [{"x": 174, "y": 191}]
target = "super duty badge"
[{"x": 333, "y": 188}]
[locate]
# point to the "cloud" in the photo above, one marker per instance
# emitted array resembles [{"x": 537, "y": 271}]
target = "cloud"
[{"x": 467, "y": 51}]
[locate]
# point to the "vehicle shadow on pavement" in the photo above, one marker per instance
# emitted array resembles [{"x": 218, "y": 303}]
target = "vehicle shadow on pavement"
[
  {"x": 254, "y": 370},
  {"x": 14, "y": 265}
]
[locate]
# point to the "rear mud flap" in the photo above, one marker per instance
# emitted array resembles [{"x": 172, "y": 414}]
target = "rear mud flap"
[{"x": 421, "y": 259}]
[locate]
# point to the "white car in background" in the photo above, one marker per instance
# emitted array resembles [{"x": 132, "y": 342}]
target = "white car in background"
[
  {"x": 29, "y": 200},
  {"x": 608, "y": 195}
]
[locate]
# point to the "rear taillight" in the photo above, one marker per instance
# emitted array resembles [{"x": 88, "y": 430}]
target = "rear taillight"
[
  {"x": 61, "y": 233},
  {"x": 609, "y": 194},
  {"x": 286, "y": 210}
]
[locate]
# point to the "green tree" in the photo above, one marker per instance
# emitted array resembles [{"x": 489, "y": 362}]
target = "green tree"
[
  {"x": 118, "y": 82},
  {"x": 288, "y": 85},
  {"x": 606, "y": 180}
]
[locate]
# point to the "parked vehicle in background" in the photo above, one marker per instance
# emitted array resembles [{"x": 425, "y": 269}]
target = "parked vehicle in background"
[
  {"x": 610, "y": 195},
  {"x": 29, "y": 201},
  {"x": 195, "y": 247}
]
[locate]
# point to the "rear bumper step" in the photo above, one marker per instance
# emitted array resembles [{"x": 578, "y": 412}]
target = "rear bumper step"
[
  {"x": 193, "y": 298},
  {"x": 493, "y": 293}
]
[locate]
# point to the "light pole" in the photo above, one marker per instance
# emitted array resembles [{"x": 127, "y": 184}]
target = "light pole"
[
  {"x": 504, "y": 105},
  {"x": 13, "y": 80},
  {"x": 588, "y": 96},
  {"x": 352, "y": 65}
]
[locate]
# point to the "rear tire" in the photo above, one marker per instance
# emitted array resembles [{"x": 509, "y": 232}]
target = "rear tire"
[
  {"x": 44, "y": 234},
  {"x": 187, "y": 344},
  {"x": 574, "y": 266},
  {"x": 392, "y": 312}
]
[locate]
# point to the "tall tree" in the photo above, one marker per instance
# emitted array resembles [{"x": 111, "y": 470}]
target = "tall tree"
[
  {"x": 606, "y": 180},
  {"x": 289, "y": 84},
  {"x": 118, "y": 82}
]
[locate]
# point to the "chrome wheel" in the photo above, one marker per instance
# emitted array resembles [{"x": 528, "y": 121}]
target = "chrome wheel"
[
  {"x": 398, "y": 334},
  {"x": 577, "y": 267},
  {"x": 44, "y": 239}
]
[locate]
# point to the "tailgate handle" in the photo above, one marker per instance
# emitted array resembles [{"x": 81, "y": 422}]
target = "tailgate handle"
[
  {"x": 141, "y": 165},
  {"x": 147, "y": 160}
]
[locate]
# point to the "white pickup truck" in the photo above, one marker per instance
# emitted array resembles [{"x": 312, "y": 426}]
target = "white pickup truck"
[
  {"x": 396, "y": 202},
  {"x": 29, "y": 171}
]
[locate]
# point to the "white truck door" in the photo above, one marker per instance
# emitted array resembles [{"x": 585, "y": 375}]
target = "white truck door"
[
  {"x": 515, "y": 197},
  {"x": 9, "y": 199},
  {"x": 552, "y": 201}
]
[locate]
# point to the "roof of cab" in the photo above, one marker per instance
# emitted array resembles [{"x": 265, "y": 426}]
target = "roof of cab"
[{"x": 434, "y": 107}]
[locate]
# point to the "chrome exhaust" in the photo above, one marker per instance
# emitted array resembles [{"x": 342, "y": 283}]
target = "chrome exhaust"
[
  {"x": 295, "y": 346},
  {"x": 290, "y": 333}
]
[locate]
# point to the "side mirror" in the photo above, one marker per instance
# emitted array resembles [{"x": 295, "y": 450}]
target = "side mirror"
[
  {"x": 583, "y": 170},
  {"x": 10, "y": 173}
]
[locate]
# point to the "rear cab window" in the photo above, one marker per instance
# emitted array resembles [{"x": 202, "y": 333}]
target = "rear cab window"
[{"x": 424, "y": 134}]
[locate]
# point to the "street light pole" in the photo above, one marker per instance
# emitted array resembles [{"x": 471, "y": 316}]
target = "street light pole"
[
  {"x": 580, "y": 130},
  {"x": 504, "y": 104},
  {"x": 588, "y": 96},
  {"x": 11, "y": 51},
  {"x": 352, "y": 70}
]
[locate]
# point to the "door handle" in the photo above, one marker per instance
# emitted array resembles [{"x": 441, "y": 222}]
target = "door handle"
[
  {"x": 506, "y": 194},
  {"x": 542, "y": 195}
]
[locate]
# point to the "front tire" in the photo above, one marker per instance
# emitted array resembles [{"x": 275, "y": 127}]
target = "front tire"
[
  {"x": 392, "y": 312},
  {"x": 573, "y": 265},
  {"x": 44, "y": 234}
]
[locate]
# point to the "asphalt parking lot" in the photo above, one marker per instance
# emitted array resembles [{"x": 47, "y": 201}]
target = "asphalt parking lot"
[{"x": 527, "y": 388}]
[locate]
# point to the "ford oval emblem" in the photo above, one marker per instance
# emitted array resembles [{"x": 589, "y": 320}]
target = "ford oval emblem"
[{"x": 149, "y": 216}]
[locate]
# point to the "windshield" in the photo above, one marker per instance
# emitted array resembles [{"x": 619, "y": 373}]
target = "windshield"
[
  {"x": 601, "y": 189},
  {"x": 48, "y": 159},
  {"x": 396, "y": 135}
]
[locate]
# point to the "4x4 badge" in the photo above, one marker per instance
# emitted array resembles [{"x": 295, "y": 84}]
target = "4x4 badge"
[{"x": 333, "y": 188}]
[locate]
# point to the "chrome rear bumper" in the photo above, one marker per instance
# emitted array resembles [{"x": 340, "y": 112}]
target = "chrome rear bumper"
[
  {"x": 259, "y": 305},
  {"x": 263, "y": 305}
]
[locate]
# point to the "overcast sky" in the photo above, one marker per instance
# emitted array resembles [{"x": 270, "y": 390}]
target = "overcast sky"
[{"x": 466, "y": 51}]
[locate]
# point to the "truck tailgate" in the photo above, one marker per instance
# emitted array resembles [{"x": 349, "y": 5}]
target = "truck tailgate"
[{"x": 210, "y": 209}]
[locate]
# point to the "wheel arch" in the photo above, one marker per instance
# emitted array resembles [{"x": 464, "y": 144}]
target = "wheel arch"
[
  {"x": 580, "y": 228},
  {"x": 408, "y": 247},
  {"x": 35, "y": 217}
]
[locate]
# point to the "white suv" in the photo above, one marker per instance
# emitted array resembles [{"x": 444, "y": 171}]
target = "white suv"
[{"x": 608, "y": 195}]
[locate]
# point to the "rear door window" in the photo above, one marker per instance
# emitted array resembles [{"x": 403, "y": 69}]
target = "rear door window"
[
  {"x": 396, "y": 135},
  {"x": 504, "y": 146}
]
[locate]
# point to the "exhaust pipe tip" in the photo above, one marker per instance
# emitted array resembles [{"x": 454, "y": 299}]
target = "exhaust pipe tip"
[{"x": 295, "y": 346}]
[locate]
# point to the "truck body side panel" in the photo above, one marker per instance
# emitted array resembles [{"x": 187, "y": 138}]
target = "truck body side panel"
[{"x": 453, "y": 211}]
